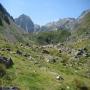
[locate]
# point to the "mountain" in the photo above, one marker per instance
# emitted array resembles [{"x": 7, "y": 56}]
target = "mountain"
[
  {"x": 65, "y": 24},
  {"x": 9, "y": 31},
  {"x": 25, "y": 22},
  {"x": 82, "y": 27},
  {"x": 68, "y": 23}
]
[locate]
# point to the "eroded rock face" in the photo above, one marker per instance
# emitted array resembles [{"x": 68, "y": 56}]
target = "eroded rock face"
[{"x": 7, "y": 62}]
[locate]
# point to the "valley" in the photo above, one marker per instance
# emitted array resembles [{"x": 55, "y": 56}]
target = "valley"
[{"x": 50, "y": 57}]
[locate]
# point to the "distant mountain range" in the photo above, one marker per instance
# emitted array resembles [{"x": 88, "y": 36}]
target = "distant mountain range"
[
  {"x": 28, "y": 25},
  {"x": 66, "y": 23}
]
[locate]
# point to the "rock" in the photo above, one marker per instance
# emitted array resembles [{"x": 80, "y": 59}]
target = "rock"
[
  {"x": 8, "y": 49},
  {"x": 81, "y": 52},
  {"x": 60, "y": 51},
  {"x": 50, "y": 59},
  {"x": 27, "y": 44},
  {"x": 85, "y": 49},
  {"x": 2, "y": 49},
  {"x": 26, "y": 55},
  {"x": 5, "y": 49},
  {"x": 59, "y": 77},
  {"x": 30, "y": 57},
  {"x": 85, "y": 54},
  {"x": 45, "y": 51},
  {"x": 7, "y": 62},
  {"x": 19, "y": 52},
  {"x": 14, "y": 88},
  {"x": 35, "y": 62},
  {"x": 12, "y": 52},
  {"x": 59, "y": 45},
  {"x": 9, "y": 88},
  {"x": 21, "y": 44},
  {"x": 4, "y": 88}
]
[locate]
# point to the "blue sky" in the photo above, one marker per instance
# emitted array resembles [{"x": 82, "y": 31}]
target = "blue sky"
[{"x": 44, "y": 11}]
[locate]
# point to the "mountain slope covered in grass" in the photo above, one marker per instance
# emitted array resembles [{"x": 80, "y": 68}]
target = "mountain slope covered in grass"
[
  {"x": 54, "y": 60},
  {"x": 8, "y": 29}
]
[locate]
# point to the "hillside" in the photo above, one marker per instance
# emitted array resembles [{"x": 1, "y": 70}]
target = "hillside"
[
  {"x": 83, "y": 27},
  {"x": 8, "y": 29},
  {"x": 49, "y": 60}
]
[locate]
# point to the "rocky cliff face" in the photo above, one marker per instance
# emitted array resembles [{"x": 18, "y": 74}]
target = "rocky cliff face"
[{"x": 25, "y": 22}]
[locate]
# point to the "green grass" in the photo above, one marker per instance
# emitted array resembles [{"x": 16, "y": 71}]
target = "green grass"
[{"x": 27, "y": 75}]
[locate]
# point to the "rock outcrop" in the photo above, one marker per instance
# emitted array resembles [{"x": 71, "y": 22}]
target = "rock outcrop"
[{"x": 6, "y": 61}]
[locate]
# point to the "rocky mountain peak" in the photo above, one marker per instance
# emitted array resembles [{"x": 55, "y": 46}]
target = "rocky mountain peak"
[{"x": 25, "y": 22}]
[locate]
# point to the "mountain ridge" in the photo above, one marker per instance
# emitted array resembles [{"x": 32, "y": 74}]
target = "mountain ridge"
[{"x": 65, "y": 23}]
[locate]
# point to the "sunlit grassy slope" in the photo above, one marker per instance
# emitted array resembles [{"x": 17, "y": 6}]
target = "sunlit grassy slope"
[
  {"x": 31, "y": 71},
  {"x": 37, "y": 74}
]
